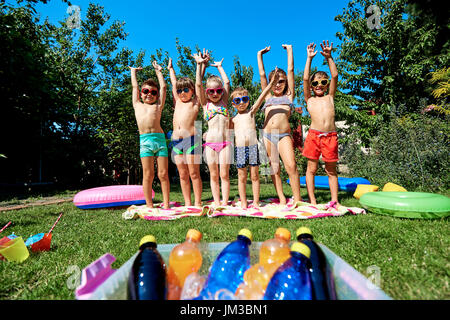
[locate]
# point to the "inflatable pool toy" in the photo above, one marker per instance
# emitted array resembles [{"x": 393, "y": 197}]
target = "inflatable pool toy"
[
  {"x": 110, "y": 196},
  {"x": 364, "y": 188},
  {"x": 415, "y": 205},
  {"x": 393, "y": 187},
  {"x": 345, "y": 184}
]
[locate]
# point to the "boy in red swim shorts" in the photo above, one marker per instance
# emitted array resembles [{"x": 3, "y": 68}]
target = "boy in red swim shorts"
[{"x": 322, "y": 136}]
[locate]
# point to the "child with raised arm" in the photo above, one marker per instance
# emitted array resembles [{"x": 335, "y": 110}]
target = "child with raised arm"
[
  {"x": 187, "y": 149},
  {"x": 217, "y": 138},
  {"x": 277, "y": 131},
  {"x": 322, "y": 136},
  {"x": 246, "y": 141},
  {"x": 152, "y": 140}
]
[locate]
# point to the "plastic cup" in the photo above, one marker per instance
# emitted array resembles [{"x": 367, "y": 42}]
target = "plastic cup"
[
  {"x": 43, "y": 244},
  {"x": 15, "y": 250},
  {"x": 3, "y": 245}
]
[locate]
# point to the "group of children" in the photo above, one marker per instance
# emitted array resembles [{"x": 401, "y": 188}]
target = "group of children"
[{"x": 278, "y": 93}]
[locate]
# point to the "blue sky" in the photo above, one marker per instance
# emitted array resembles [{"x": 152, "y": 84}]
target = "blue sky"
[{"x": 229, "y": 28}]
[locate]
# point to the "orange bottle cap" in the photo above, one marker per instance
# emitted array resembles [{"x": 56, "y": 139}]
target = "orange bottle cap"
[
  {"x": 194, "y": 235},
  {"x": 283, "y": 233}
]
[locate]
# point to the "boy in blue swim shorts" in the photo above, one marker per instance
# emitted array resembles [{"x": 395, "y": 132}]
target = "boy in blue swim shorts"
[
  {"x": 246, "y": 141},
  {"x": 148, "y": 104}
]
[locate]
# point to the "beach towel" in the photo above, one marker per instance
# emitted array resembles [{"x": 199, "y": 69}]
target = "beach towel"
[{"x": 268, "y": 209}]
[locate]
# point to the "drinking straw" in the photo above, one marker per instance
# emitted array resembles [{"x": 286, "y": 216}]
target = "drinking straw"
[
  {"x": 55, "y": 223},
  {"x": 5, "y": 227}
]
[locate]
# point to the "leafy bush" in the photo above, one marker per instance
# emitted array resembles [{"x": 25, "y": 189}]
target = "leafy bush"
[{"x": 411, "y": 151}]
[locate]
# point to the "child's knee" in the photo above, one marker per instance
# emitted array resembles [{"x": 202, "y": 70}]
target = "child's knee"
[
  {"x": 254, "y": 176},
  {"x": 224, "y": 175},
  {"x": 242, "y": 175},
  {"x": 163, "y": 175},
  {"x": 311, "y": 170},
  {"x": 291, "y": 168},
  {"x": 194, "y": 175},
  {"x": 330, "y": 169}
]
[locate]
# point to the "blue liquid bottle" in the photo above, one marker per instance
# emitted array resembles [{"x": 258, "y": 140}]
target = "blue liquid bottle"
[
  {"x": 147, "y": 280},
  {"x": 292, "y": 280},
  {"x": 321, "y": 274},
  {"x": 227, "y": 271}
]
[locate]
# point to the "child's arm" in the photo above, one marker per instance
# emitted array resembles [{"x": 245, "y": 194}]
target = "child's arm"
[
  {"x": 263, "y": 95},
  {"x": 162, "y": 84},
  {"x": 199, "y": 92},
  {"x": 290, "y": 73},
  {"x": 135, "y": 98},
  {"x": 226, "y": 81},
  {"x": 326, "y": 52},
  {"x": 306, "y": 83},
  {"x": 262, "y": 72},
  {"x": 173, "y": 79}
]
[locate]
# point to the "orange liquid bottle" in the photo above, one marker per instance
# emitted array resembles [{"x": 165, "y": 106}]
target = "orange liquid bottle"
[
  {"x": 184, "y": 259},
  {"x": 272, "y": 254}
]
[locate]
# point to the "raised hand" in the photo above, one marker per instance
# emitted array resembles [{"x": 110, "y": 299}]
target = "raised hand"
[
  {"x": 310, "y": 50},
  {"x": 265, "y": 50},
  {"x": 217, "y": 63},
  {"x": 287, "y": 46},
  {"x": 205, "y": 56},
  {"x": 156, "y": 66},
  {"x": 133, "y": 68},
  {"x": 326, "y": 49},
  {"x": 169, "y": 64},
  {"x": 198, "y": 58}
]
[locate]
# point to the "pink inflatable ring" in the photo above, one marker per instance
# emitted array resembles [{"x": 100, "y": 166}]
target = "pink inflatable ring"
[{"x": 110, "y": 196}]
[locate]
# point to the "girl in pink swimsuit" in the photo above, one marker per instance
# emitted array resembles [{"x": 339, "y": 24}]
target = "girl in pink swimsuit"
[{"x": 217, "y": 151}]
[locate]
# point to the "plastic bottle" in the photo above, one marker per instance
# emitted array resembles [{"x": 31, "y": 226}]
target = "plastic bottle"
[
  {"x": 292, "y": 280},
  {"x": 147, "y": 280},
  {"x": 321, "y": 274},
  {"x": 184, "y": 259},
  {"x": 228, "y": 269},
  {"x": 272, "y": 254}
]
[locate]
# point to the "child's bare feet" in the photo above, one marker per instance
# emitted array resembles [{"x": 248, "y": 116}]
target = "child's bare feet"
[{"x": 256, "y": 205}]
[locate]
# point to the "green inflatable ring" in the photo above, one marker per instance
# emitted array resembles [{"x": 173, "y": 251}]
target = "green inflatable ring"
[{"x": 415, "y": 205}]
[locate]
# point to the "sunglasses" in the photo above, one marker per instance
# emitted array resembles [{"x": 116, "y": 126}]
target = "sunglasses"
[
  {"x": 238, "y": 100},
  {"x": 212, "y": 91},
  {"x": 147, "y": 91},
  {"x": 185, "y": 90},
  {"x": 281, "y": 81},
  {"x": 323, "y": 82}
]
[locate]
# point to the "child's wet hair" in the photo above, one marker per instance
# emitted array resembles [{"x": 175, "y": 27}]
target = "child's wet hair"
[
  {"x": 280, "y": 72},
  {"x": 238, "y": 91},
  {"x": 151, "y": 83},
  {"x": 185, "y": 82},
  {"x": 215, "y": 79},
  {"x": 318, "y": 73}
]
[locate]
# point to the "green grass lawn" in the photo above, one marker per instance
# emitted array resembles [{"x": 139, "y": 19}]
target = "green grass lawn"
[{"x": 412, "y": 255}]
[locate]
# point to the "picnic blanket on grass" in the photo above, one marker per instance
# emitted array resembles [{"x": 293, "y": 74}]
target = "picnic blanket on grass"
[{"x": 268, "y": 209}]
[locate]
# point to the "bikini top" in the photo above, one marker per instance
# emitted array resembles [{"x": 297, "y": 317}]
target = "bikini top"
[
  {"x": 278, "y": 101},
  {"x": 211, "y": 110}
]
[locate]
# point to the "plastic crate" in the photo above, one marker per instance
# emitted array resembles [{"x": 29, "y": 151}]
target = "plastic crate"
[{"x": 350, "y": 284}]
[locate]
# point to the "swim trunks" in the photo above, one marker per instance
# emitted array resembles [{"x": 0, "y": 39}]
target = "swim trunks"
[
  {"x": 188, "y": 145},
  {"x": 246, "y": 156},
  {"x": 275, "y": 137},
  {"x": 318, "y": 142},
  {"x": 153, "y": 144}
]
